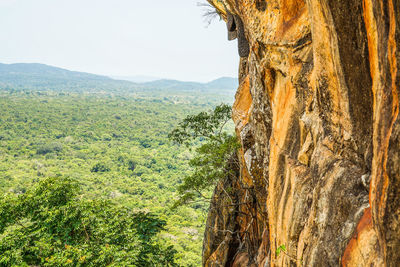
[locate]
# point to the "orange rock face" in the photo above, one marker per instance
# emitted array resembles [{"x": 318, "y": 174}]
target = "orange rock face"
[{"x": 317, "y": 115}]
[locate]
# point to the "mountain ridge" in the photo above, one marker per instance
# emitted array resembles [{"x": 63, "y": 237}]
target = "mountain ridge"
[
  {"x": 44, "y": 69},
  {"x": 37, "y": 76}
]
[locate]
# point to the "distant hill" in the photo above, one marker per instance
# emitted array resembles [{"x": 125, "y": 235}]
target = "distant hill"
[
  {"x": 226, "y": 83},
  {"x": 174, "y": 85},
  {"x": 222, "y": 84},
  {"x": 136, "y": 78},
  {"x": 44, "y": 71},
  {"x": 41, "y": 77}
]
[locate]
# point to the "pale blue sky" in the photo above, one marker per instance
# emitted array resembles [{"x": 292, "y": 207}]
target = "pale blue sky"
[{"x": 163, "y": 38}]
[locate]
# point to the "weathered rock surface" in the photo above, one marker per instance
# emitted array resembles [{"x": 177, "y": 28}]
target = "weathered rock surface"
[{"x": 317, "y": 115}]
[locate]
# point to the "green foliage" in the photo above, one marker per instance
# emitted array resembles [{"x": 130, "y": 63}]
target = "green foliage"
[
  {"x": 131, "y": 165},
  {"x": 281, "y": 248},
  {"x": 49, "y": 148},
  {"x": 52, "y": 225},
  {"x": 140, "y": 178},
  {"x": 100, "y": 167},
  {"x": 216, "y": 150}
]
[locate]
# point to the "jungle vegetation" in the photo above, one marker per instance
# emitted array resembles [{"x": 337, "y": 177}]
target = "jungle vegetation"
[{"x": 89, "y": 178}]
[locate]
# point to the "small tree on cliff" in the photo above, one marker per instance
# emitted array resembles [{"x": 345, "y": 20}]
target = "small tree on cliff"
[{"x": 216, "y": 149}]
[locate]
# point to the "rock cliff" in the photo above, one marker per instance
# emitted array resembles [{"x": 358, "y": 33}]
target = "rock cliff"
[{"x": 316, "y": 113}]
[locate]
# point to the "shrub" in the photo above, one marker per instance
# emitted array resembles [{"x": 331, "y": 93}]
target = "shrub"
[
  {"x": 49, "y": 148},
  {"x": 100, "y": 167},
  {"x": 131, "y": 165}
]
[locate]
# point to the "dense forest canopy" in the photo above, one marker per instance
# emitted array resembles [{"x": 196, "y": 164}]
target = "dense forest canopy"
[{"x": 111, "y": 148}]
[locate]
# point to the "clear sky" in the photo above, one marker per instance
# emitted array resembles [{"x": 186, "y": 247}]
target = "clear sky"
[{"x": 163, "y": 38}]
